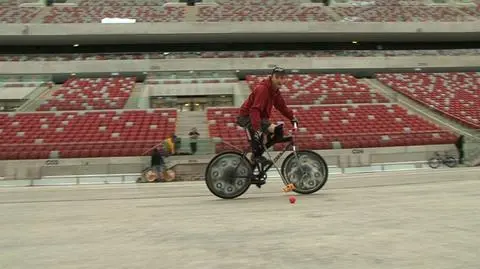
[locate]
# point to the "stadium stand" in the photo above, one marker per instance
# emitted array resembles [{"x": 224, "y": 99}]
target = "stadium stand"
[
  {"x": 346, "y": 118},
  {"x": 88, "y": 94},
  {"x": 80, "y": 134},
  {"x": 87, "y": 11},
  {"x": 324, "y": 89},
  {"x": 17, "y": 15},
  {"x": 398, "y": 13},
  {"x": 336, "y": 111},
  {"x": 368, "y": 125},
  {"x": 121, "y": 3},
  {"x": 10, "y": 12},
  {"x": 471, "y": 10},
  {"x": 95, "y": 14},
  {"x": 283, "y": 10},
  {"x": 236, "y": 54},
  {"x": 454, "y": 94},
  {"x": 88, "y": 117},
  {"x": 360, "y": 3}
]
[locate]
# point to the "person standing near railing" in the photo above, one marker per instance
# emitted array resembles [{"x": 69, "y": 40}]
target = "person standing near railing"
[
  {"x": 193, "y": 140},
  {"x": 157, "y": 162},
  {"x": 459, "y": 145}
]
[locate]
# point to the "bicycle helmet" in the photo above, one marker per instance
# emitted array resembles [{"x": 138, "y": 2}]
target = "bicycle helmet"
[{"x": 278, "y": 70}]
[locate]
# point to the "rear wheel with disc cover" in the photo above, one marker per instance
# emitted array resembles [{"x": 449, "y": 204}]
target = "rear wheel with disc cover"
[{"x": 228, "y": 175}]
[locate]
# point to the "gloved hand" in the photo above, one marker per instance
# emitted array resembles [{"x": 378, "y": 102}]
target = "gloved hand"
[
  {"x": 294, "y": 120},
  {"x": 257, "y": 135}
]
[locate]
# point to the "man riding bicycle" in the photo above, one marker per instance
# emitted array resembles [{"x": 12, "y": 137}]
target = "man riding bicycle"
[{"x": 256, "y": 110}]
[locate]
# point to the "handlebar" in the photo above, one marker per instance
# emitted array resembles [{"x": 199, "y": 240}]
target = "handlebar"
[{"x": 295, "y": 127}]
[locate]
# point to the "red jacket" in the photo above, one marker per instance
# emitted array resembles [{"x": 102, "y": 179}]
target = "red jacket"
[{"x": 260, "y": 102}]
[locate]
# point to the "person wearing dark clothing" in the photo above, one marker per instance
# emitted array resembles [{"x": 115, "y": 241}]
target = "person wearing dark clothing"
[
  {"x": 254, "y": 114},
  {"x": 459, "y": 145},
  {"x": 266, "y": 95},
  {"x": 193, "y": 139},
  {"x": 157, "y": 162}
]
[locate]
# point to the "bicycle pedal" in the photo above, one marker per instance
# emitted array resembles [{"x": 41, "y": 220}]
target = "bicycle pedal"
[
  {"x": 289, "y": 187},
  {"x": 258, "y": 183}
]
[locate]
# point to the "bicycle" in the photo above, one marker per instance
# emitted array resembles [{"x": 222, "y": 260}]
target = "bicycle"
[
  {"x": 230, "y": 174},
  {"x": 151, "y": 175},
  {"x": 448, "y": 160}
]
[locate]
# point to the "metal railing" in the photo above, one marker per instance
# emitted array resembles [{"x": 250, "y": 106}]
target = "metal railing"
[{"x": 131, "y": 178}]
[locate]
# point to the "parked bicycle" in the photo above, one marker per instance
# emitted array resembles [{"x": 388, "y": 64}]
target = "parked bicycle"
[
  {"x": 445, "y": 159},
  {"x": 150, "y": 175}
]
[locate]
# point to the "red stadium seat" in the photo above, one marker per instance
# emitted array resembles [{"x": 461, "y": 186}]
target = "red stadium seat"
[
  {"x": 89, "y": 93},
  {"x": 89, "y": 11},
  {"x": 14, "y": 14},
  {"x": 93, "y": 134},
  {"x": 367, "y": 125},
  {"x": 456, "y": 95},
  {"x": 324, "y": 89},
  {"x": 277, "y": 12},
  {"x": 95, "y": 14},
  {"x": 400, "y": 13}
]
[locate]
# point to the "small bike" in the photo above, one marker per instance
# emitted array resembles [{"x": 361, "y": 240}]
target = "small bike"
[
  {"x": 229, "y": 174},
  {"x": 448, "y": 160},
  {"x": 150, "y": 175}
]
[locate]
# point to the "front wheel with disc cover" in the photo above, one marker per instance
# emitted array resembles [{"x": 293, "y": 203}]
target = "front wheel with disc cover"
[
  {"x": 228, "y": 175},
  {"x": 307, "y": 171}
]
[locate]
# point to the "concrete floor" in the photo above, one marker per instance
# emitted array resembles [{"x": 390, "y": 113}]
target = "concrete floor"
[{"x": 428, "y": 219}]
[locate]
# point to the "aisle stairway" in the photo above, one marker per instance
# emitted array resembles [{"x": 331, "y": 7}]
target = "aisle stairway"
[{"x": 185, "y": 122}]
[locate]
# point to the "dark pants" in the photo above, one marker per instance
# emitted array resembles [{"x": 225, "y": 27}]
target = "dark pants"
[
  {"x": 461, "y": 155},
  {"x": 257, "y": 146},
  {"x": 459, "y": 146},
  {"x": 158, "y": 169},
  {"x": 193, "y": 147}
]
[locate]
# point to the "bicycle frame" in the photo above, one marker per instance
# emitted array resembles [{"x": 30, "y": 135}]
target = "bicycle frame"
[{"x": 274, "y": 160}]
